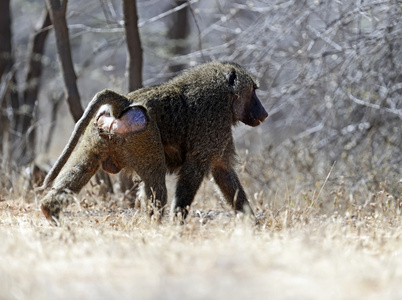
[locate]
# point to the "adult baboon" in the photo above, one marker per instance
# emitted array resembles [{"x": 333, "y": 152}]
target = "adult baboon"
[{"x": 182, "y": 126}]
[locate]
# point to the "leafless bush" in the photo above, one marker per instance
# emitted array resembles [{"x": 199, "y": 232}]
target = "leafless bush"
[
  {"x": 332, "y": 73},
  {"x": 329, "y": 72}
]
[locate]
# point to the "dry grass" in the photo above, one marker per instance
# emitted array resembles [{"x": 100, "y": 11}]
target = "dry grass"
[{"x": 297, "y": 251}]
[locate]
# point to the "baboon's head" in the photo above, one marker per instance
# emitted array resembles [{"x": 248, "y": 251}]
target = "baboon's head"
[{"x": 246, "y": 106}]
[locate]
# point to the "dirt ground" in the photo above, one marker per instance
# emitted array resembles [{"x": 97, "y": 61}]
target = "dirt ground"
[{"x": 114, "y": 253}]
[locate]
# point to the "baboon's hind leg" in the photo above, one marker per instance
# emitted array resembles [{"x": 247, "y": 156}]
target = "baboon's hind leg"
[
  {"x": 79, "y": 170},
  {"x": 190, "y": 179},
  {"x": 155, "y": 194}
]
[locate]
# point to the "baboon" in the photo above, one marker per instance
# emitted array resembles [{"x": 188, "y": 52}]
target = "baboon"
[{"x": 183, "y": 126}]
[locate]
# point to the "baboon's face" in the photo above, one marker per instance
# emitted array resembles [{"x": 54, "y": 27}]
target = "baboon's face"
[{"x": 247, "y": 108}]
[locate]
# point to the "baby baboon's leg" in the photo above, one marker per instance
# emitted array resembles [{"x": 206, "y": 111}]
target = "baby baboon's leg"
[
  {"x": 81, "y": 166},
  {"x": 229, "y": 184},
  {"x": 190, "y": 178}
]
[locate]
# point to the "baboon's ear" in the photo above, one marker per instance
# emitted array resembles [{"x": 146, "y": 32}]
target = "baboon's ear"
[{"x": 231, "y": 77}]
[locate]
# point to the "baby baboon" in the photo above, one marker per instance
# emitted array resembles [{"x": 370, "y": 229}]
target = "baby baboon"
[{"x": 182, "y": 126}]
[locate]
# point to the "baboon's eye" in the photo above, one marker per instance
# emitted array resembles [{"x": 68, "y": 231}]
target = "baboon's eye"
[{"x": 231, "y": 77}]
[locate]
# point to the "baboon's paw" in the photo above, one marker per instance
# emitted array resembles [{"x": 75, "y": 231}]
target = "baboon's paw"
[
  {"x": 51, "y": 215},
  {"x": 180, "y": 214}
]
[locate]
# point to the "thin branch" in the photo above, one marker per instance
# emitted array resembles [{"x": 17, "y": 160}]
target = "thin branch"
[
  {"x": 313, "y": 200},
  {"x": 166, "y": 13},
  {"x": 397, "y": 112},
  {"x": 198, "y": 29},
  {"x": 96, "y": 29},
  {"x": 120, "y": 28}
]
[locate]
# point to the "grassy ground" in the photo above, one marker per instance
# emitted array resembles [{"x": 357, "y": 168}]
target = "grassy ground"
[{"x": 297, "y": 251}]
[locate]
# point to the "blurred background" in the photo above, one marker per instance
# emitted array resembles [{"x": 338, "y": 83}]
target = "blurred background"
[{"x": 329, "y": 74}]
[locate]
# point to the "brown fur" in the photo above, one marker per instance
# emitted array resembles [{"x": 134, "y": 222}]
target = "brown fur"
[{"x": 187, "y": 131}]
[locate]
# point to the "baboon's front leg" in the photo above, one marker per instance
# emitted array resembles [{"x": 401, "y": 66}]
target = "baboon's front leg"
[
  {"x": 229, "y": 184},
  {"x": 80, "y": 168}
]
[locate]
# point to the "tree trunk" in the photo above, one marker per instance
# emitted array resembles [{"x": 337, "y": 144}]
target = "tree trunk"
[
  {"x": 178, "y": 33},
  {"x": 134, "y": 70},
  {"x": 5, "y": 33},
  {"x": 134, "y": 57},
  {"x": 26, "y": 153},
  {"x": 5, "y": 66},
  {"x": 57, "y": 12},
  {"x": 179, "y": 29},
  {"x": 9, "y": 92}
]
